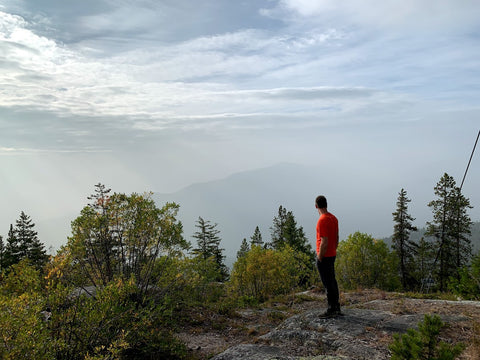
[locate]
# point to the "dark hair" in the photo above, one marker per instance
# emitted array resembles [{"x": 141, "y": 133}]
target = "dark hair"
[{"x": 321, "y": 201}]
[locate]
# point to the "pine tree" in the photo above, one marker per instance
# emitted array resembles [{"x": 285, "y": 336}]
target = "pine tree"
[
  {"x": 12, "y": 249},
  {"x": 461, "y": 229},
  {"x": 278, "y": 228},
  {"x": 244, "y": 249},
  {"x": 256, "y": 238},
  {"x": 285, "y": 231},
  {"x": 102, "y": 247},
  {"x": 208, "y": 245},
  {"x": 449, "y": 227},
  {"x": 2, "y": 252},
  {"x": 424, "y": 260},
  {"x": 404, "y": 247},
  {"x": 23, "y": 243}
]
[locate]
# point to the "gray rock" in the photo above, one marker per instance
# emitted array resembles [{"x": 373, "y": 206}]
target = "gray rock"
[
  {"x": 252, "y": 352},
  {"x": 263, "y": 352},
  {"x": 353, "y": 336}
]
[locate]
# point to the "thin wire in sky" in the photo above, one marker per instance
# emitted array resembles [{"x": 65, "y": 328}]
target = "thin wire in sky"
[{"x": 469, "y": 161}]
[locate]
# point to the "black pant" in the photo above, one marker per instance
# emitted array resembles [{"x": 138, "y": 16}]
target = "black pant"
[{"x": 326, "y": 269}]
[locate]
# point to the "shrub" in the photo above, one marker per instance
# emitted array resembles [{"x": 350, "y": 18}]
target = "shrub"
[
  {"x": 424, "y": 344},
  {"x": 23, "y": 329},
  {"x": 468, "y": 284},
  {"x": 262, "y": 273},
  {"x": 363, "y": 261}
]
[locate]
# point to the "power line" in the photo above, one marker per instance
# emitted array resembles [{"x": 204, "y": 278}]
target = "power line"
[{"x": 469, "y": 161}]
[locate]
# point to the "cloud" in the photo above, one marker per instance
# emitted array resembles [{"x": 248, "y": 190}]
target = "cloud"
[
  {"x": 29, "y": 151},
  {"x": 408, "y": 15},
  {"x": 252, "y": 78},
  {"x": 166, "y": 82}
]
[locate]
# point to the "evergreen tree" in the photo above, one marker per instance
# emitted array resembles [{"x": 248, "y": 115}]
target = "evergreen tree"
[
  {"x": 449, "y": 227},
  {"x": 278, "y": 228},
  {"x": 2, "y": 251},
  {"x": 461, "y": 229},
  {"x": 286, "y": 234},
  {"x": 424, "y": 260},
  {"x": 244, "y": 249},
  {"x": 285, "y": 231},
  {"x": 404, "y": 247},
  {"x": 23, "y": 243},
  {"x": 12, "y": 249},
  {"x": 103, "y": 246},
  {"x": 256, "y": 238},
  {"x": 208, "y": 245}
]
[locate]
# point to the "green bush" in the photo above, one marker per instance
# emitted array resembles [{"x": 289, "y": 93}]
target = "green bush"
[
  {"x": 468, "y": 284},
  {"x": 262, "y": 273},
  {"x": 365, "y": 262},
  {"x": 23, "y": 329},
  {"x": 424, "y": 344}
]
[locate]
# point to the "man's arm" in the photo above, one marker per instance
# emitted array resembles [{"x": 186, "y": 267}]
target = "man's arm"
[{"x": 323, "y": 247}]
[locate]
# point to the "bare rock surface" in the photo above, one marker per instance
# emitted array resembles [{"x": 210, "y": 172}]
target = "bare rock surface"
[
  {"x": 363, "y": 332},
  {"x": 356, "y": 335}
]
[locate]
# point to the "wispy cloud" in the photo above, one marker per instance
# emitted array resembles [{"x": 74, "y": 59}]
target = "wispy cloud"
[
  {"x": 189, "y": 79},
  {"x": 30, "y": 151},
  {"x": 307, "y": 73},
  {"x": 405, "y": 16}
]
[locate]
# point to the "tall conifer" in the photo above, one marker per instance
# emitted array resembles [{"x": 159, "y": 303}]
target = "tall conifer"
[
  {"x": 449, "y": 227},
  {"x": 2, "y": 252},
  {"x": 23, "y": 243},
  {"x": 208, "y": 244},
  {"x": 244, "y": 249},
  {"x": 256, "y": 238},
  {"x": 285, "y": 231},
  {"x": 404, "y": 247}
]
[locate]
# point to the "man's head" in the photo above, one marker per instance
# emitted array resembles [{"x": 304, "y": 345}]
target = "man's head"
[{"x": 321, "y": 202}]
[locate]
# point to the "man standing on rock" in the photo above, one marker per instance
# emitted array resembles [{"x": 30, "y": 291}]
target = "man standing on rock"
[{"x": 327, "y": 243}]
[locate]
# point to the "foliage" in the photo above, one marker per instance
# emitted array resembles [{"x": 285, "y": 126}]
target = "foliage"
[
  {"x": 424, "y": 265},
  {"x": 403, "y": 246},
  {"x": 244, "y": 248},
  {"x": 468, "y": 285},
  {"x": 114, "y": 321},
  {"x": 122, "y": 235},
  {"x": 256, "y": 238},
  {"x": 424, "y": 344},
  {"x": 208, "y": 246},
  {"x": 450, "y": 227},
  {"x": 2, "y": 254},
  {"x": 23, "y": 243},
  {"x": 187, "y": 282},
  {"x": 127, "y": 253},
  {"x": 285, "y": 231},
  {"x": 263, "y": 273},
  {"x": 363, "y": 261},
  {"x": 23, "y": 329}
]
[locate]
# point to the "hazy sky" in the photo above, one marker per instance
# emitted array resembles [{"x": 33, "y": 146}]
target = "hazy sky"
[{"x": 159, "y": 94}]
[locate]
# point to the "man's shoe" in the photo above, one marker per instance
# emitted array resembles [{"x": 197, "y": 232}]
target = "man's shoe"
[{"x": 329, "y": 314}]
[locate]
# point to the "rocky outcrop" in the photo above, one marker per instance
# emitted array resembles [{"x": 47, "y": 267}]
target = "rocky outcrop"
[{"x": 358, "y": 334}]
